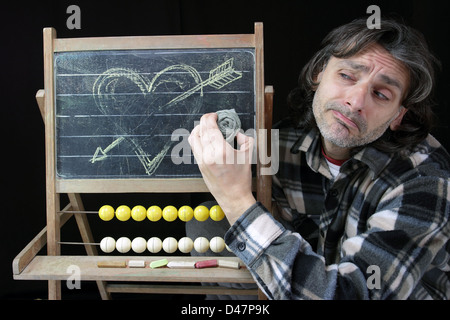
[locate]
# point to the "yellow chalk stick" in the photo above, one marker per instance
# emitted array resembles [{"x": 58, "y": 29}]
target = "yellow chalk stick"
[{"x": 112, "y": 264}]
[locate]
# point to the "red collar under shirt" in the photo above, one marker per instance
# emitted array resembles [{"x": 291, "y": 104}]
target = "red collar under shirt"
[{"x": 333, "y": 164}]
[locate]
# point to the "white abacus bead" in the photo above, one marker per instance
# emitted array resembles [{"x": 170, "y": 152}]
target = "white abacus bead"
[
  {"x": 108, "y": 244},
  {"x": 201, "y": 244},
  {"x": 217, "y": 244},
  {"x": 170, "y": 245},
  {"x": 154, "y": 245},
  {"x": 185, "y": 245},
  {"x": 139, "y": 245},
  {"x": 123, "y": 245}
]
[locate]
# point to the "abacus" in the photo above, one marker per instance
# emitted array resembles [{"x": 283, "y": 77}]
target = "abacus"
[
  {"x": 91, "y": 176},
  {"x": 154, "y": 244}
]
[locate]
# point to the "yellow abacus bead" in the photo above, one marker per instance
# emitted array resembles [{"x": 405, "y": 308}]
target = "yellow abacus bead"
[
  {"x": 154, "y": 213},
  {"x": 139, "y": 213},
  {"x": 201, "y": 213},
  {"x": 123, "y": 213},
  {"x": 185, "y": 213},
  {"x": 106, "y": 213},
  {"x": 170, "y": 213},
  {"x": 216, "y": 213}
]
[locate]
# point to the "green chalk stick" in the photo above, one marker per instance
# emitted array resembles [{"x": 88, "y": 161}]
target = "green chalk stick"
[{"x": 159, "y": 263}]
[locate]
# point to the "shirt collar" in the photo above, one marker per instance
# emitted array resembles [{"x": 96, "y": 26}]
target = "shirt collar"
[
  {"x": 310, "y": 143},
  {"x": 374, "y": 159}
]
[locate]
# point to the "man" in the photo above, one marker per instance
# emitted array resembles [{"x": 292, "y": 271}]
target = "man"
[{"x": 361, "y": 198}]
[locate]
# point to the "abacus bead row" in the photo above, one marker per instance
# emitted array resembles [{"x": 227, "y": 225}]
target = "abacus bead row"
[
  {"x": 169, "y": 245},
  {"x": 154, "y": 213}
]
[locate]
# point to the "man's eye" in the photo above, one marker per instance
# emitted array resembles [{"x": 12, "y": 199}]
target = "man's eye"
[
  {"x": 345, "y": 76},
  {"x": 379, "y": 95}
]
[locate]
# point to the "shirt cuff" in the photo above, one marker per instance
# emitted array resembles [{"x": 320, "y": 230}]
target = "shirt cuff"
[{"x": 252, "y": 233}]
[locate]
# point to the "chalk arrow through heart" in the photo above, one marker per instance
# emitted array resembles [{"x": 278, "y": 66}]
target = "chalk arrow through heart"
[{"x": 218, "y": 77}]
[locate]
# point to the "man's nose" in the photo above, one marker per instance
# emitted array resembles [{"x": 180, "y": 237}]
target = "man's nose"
[{"x": 356, "y": 97}]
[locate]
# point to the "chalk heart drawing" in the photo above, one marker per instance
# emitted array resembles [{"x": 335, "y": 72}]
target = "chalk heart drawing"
[{"x": 115, "y": 94}]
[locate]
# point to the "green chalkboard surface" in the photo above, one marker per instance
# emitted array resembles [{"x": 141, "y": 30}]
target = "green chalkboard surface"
[{"x": 127, "y": 114}]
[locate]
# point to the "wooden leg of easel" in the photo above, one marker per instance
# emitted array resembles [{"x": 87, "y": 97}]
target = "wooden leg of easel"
[
  {"x": 86, "y": 236},
  {"x": 264, "y": 184},
  {"x": 54, "y": 290},
  {"x": 82, "y": 222},
  {"x": 53, "y": 238},
  {"x": 261, "y": 295},
  {"x": 102, "y": 289}
]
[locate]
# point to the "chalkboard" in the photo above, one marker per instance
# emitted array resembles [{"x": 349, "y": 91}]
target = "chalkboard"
[{"x": 127, "y": 113}]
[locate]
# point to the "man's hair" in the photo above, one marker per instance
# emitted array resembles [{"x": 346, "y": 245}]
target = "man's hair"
[{"x": 404, "y": 44}]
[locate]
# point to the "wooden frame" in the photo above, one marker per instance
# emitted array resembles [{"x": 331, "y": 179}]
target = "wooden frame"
[{"x": 28, "y": 266}]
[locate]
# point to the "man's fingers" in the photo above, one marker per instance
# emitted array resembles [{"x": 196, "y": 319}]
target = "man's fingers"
[
  {"x": 245, "y": 142},
  {"x": 245, "y": 152},
  {"x": 195, "y": 143},
  {"x": 206, "y": 140},
  {"x": 209, "y": 146},
  {"x": 209, "y": 120}
]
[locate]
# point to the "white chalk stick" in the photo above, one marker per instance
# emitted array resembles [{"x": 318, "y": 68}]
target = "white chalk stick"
[
  {"x": 181, "y": 264},
  {"x": 136, "y": 264},
  {"x": 229, "y": 264}
]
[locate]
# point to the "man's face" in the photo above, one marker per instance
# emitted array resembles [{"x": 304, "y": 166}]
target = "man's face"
[{"x": 358, "y": 98}]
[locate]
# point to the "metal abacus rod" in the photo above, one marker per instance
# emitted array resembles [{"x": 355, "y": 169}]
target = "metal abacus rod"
[
  {"x": 71, "y": 211},
  {"x": 79, "y": 243}
]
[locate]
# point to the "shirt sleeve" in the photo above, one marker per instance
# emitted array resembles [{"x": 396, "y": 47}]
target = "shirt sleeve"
[
  {"x": 404, "y": 235},
  {"x": 271, "y": 253}
]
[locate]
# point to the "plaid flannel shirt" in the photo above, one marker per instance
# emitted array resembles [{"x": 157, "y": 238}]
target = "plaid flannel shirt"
[{"x": 379, "y": 230}]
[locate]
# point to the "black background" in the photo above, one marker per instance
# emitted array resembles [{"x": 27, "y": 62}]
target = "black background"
[{"x": 292, "y": 33}]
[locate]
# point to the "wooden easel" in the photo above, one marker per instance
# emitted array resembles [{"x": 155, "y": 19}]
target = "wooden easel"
[{"x": 29, "y": 266}]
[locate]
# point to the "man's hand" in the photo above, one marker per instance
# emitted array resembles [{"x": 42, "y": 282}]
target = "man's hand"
[{"x": 226, "y": 171}]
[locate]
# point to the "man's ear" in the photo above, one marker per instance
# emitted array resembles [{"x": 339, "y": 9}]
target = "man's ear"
[
  {"x": 317, "y": 80},
  {"x": 318, "y": 77},
  {"x": 398, "y": 120}
]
